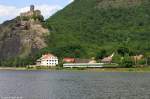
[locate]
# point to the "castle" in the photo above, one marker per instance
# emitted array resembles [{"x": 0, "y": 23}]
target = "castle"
[
  {"x": 31, "y": 13},
  {"x": 30, "y": 17}
]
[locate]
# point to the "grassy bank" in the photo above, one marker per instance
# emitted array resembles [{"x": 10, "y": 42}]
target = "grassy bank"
[
  {"x": 113, "y": 69},
  {"x": 13, "y": 68},
  {"x": 145, "y": 69},
  {"x": 139, "y": 69}
]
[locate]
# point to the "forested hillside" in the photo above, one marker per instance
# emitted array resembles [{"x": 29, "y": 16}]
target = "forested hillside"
[{"x": 85, "y": 27}]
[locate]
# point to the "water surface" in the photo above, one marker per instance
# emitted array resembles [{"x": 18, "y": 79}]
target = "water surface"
[{"x": 73, "y": 85}]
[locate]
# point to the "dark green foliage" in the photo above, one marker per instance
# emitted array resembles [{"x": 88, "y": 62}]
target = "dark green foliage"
[
  {"x": 101, "y": 54},
  {"x": 123, "y": 51},
  {"x": 117, "y": 58},
  {"x": 142, "y": 62},
  {"x": 86, "y": 24},
  {"x": 127, "y": 62},
  {"x": 148, "y": 60},
  {"x": 75, "y": 51},
  {"x": 17, "y": 62}
]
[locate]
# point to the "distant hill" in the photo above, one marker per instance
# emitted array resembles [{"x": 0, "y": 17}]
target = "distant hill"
[{"x": 85, "y": 27}]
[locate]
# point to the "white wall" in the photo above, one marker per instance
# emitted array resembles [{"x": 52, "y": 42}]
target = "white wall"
[{"x": 49, "y": 62}]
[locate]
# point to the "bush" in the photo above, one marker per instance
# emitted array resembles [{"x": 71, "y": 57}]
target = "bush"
[
  {"x": 123, "y": 51},
  {"x": 101, "y": 54},
  {"x": 142, "y": 62},
  {"x": 148, "y": 60},
  {"x": 127, "y": 62}
]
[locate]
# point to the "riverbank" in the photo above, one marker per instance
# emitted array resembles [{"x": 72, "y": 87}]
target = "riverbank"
[
  {"x": 139, "y": 69},
  {"x": 13, "y": 68},
  {"x": 145, "y": 69}
]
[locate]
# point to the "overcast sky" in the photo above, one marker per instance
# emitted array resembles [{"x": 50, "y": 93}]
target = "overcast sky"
[{"x": 11, "y": 8}]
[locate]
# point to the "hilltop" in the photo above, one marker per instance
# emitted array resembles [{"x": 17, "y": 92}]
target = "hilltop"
[
  {"x": 22, "y": 37},
  {"x": 85, "y": 27}
]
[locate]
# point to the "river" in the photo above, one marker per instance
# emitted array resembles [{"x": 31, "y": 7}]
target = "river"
[{"x": 73, "y": 85}]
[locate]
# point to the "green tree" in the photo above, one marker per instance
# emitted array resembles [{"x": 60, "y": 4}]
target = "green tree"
[
  {"x": 101, "y": 54},
  {"x": 123, "y": 51},
  {"x": 127, "y": 62}
]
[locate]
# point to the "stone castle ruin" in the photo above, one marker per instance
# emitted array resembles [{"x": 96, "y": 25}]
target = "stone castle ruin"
[
  {"x": 30, "y": 18},
  {"x": 31, "y": 13}
]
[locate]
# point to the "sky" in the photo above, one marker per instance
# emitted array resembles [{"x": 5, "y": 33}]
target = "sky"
[{"x": 9, "y": 9}]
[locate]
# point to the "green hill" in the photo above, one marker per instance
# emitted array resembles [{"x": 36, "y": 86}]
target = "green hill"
[{"x": 85, "y": 27}]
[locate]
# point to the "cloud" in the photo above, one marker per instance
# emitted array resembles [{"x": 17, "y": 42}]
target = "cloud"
[{"x": 8, "y": 12}]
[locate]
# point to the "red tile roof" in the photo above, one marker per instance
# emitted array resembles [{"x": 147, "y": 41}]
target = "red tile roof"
[
  {"x": 48, "y": 56},
  {"x": 69, "y": 60}
]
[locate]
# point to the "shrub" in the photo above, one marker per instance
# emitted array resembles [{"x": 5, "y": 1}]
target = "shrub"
[
  {"x": 142, "y": 62},
  {"x": 101, "y": 54},
  {"x": 127, "y": 62},
  {"x": 123, "y": 51}
]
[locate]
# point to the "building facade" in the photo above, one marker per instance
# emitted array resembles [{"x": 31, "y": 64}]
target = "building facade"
[{"x": 47, "y": 60}]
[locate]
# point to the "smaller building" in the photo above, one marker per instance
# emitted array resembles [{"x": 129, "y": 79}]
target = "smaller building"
[
  {"x": 108, "y": 59},
  {"x": 47, "y": 60},
  {"x": 83, "y": 65},
  {"x": 78, "y": 60},
  {"x": 69, "y": 60}
]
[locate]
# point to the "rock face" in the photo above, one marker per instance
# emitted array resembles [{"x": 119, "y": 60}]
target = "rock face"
[{"x": 22, "y": 36}]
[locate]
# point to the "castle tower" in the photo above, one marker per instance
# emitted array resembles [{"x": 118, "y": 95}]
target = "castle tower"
[{"x": 32, "y": 8}]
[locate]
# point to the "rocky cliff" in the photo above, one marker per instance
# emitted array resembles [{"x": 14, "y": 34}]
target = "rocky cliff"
[{"x": 22, "y": 36}]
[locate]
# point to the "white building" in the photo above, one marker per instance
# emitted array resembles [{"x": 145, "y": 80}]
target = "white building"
[
  {"x": 83, "y": 65},
  {"x": 47, "y": 60}
]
